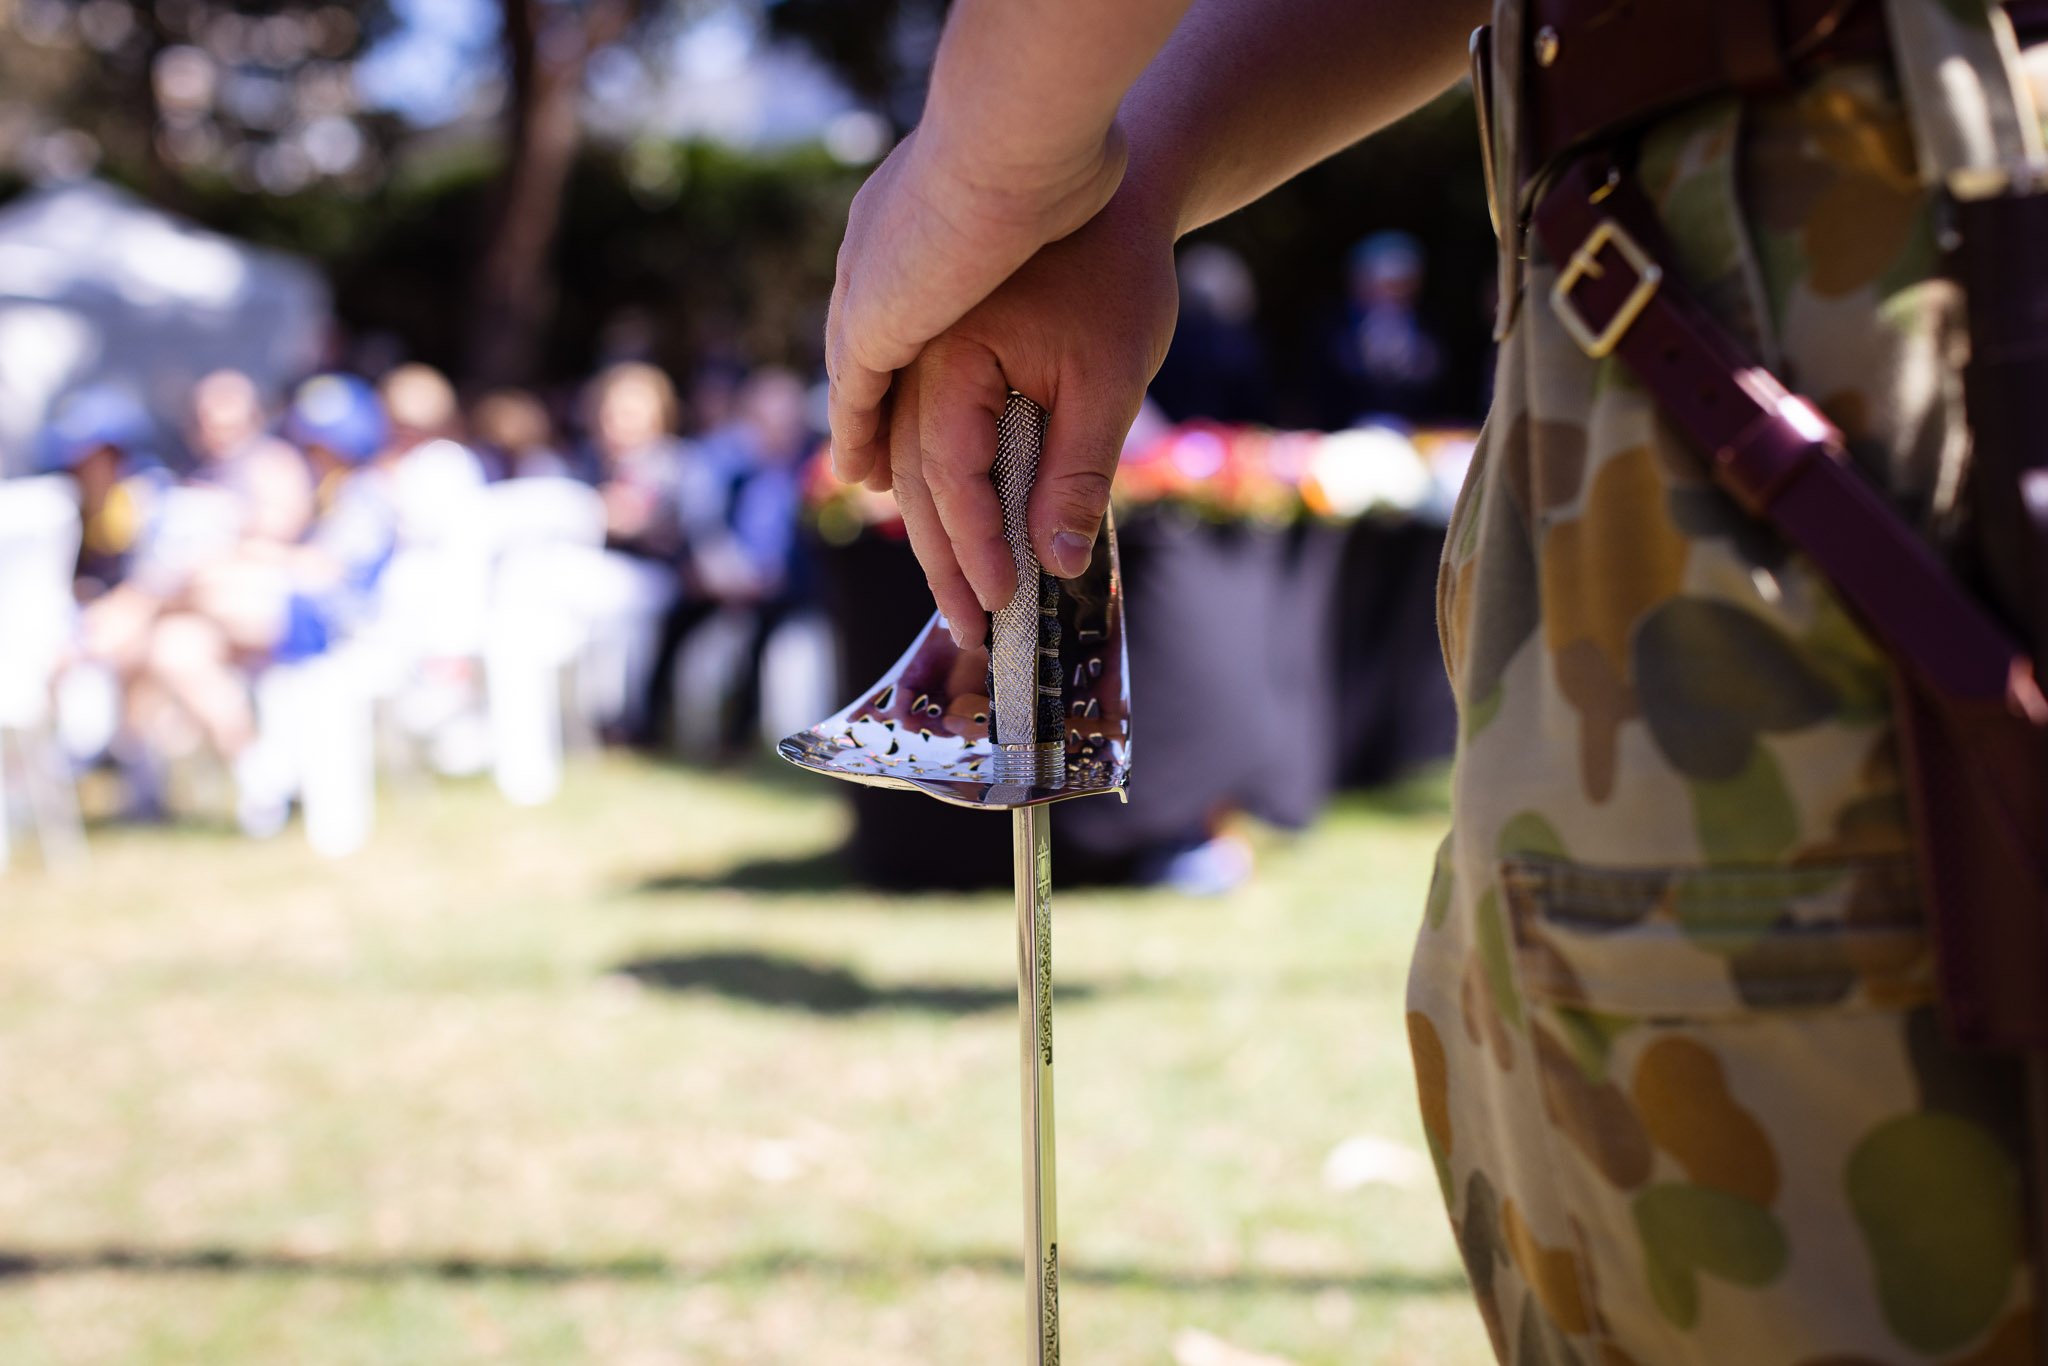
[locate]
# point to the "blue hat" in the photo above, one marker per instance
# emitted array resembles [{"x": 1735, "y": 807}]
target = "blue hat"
[
  {"x": 338, "y": 413},
  {"x": 90, "y": 419},
  {"x": 1388, "y": 253}
]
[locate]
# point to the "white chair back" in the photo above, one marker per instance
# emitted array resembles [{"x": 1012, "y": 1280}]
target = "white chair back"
[
  {"x": 438, "y": 488},
  {"x": 39, "y": 535},
  {"x": 547, "y": 510}
]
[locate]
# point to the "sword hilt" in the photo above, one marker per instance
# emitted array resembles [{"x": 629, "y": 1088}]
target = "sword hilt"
[{"x": 1026, "y": 716}]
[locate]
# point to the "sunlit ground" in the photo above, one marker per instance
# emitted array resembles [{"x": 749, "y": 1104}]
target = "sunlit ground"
[{"x": 634, "y": 1079}]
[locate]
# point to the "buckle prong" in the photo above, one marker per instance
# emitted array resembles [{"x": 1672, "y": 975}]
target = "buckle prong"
[{"x": 1585, "y": 265}]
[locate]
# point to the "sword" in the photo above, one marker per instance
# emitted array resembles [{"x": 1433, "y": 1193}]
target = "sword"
[
  {"x": 1041, "y": 716},
  {"x": 1027, "y": 718}
]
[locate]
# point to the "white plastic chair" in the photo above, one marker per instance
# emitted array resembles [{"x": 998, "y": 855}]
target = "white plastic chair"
[
  {"x": 531, "y": 638},
  {"x": 428, "y": 609},
  {"x": 548, "y": 510},
  {"x": 39, "y": 536},
  {"x": 317, "y": 738}
]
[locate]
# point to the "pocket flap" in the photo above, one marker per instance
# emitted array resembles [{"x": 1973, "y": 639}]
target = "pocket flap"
[{"x": 1691, "y": 943}]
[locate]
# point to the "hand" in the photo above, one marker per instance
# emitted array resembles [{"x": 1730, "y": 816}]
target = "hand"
[
  {"x": 1081, "y": 329},
  {"x": 627, "y": 510},
  {"x": 925, "y": 242}
]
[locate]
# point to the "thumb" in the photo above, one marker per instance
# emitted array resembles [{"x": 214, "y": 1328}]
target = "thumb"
[{"x": 1083, "y": 441}]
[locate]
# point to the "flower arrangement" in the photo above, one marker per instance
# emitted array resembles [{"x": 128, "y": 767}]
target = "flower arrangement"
[{"x": 1227, "y": 473}]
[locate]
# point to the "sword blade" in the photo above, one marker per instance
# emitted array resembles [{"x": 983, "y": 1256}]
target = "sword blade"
[{"x": 1031, "y": 829}]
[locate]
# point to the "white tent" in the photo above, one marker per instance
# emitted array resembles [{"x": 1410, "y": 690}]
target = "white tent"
[{"x": 96, "y": 285}]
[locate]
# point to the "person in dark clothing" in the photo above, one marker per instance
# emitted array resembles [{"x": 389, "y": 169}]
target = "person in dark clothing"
[
  {"x": 1216, "y": 367},
  {"x": 1383, "y": 361}
]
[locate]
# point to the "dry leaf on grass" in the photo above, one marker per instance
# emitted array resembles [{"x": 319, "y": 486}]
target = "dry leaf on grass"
[
  {"x": 1193, "y": 1347},
  {"x": 1369, "y": 1161}
]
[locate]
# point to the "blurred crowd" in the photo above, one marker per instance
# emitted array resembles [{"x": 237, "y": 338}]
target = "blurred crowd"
[
  {"x": 392, "y": 522},
  {"x": 375, "y": 569},
  {"x": 1374, "y": 356}
]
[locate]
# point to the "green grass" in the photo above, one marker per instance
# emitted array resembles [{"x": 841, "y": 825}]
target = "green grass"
[{"x": 548, "y": 1086}]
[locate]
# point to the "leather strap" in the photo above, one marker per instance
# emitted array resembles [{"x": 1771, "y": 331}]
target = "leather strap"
[
  {"x": 1768, "y": 447},
  {"x": 1593, "y": 69},
  {"x": 1974, "y": 718}
]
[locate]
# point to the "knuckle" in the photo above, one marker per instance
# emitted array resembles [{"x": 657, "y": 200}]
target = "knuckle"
[
  {"x": 1084, "y": 491},
  {"x": 946, "y": 475},
  {"x": 909, "y": 479}
]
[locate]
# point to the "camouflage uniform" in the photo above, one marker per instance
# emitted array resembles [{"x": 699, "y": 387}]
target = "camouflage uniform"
[{"x": 1672, "y": 1002}]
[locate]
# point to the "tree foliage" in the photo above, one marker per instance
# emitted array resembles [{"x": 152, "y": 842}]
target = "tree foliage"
[
  {"x": 882, "y": 49},
  {"x": 262, "y": 97}
]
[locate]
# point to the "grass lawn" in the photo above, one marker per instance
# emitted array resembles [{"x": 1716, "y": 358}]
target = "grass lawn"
[{"x": 597, "y": 1083}]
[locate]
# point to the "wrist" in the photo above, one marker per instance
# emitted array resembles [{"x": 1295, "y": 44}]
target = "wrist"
[
  {"x": 1030, "y": 198},
  {"x": 1153, "y": 196}
]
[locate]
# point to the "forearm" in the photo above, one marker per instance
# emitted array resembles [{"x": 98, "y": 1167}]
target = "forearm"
[
  {"x": 1247, "y": 93},
  {"x": 1024, "y": 92}
]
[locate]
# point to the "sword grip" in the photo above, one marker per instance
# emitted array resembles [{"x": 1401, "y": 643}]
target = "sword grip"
[{"x": 1025, "y": 712}]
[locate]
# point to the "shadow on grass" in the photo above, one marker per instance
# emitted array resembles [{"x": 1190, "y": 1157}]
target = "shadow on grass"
[
  {"x": 802, "y": 875},
  {"x": 792, "y": 984},
  {"x": 1424, "y": 792},
  {"x": 29, "y": 1263}
]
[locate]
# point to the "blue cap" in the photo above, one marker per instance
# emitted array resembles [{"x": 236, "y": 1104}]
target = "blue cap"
[
  {"x": 90, "y": 419},
  {"x": 1388, "y": 253},
  {"x": 340, "y": 414}
]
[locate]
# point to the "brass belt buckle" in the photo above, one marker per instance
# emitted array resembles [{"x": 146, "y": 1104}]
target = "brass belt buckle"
[{"x": 1585, "y": 264}]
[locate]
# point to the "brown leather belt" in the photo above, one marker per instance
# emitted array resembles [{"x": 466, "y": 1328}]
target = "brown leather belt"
[{"x": 1598, "y": 68}]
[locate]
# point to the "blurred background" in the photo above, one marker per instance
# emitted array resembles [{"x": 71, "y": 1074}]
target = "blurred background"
[{"x": 413, "y": 537}]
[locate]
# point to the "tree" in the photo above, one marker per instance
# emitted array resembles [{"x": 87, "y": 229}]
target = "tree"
[
  {"x": 165, "y": 92},
  {"x": 547, "y": 47},
  {"x": 881, "y": 48}
]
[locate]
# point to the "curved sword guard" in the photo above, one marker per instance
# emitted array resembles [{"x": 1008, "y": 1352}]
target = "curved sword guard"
[{"x": 925, "y": 724}]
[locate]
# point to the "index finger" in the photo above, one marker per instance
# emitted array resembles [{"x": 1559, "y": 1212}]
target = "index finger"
[
  {"x": 860, "y": 430},
  {"x": 961, "y": 395}
]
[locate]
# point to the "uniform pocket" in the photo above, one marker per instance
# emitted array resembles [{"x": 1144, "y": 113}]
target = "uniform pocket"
[
  {"x": 1715, "y": 943},
  {"x": 1762, "y": 1147}
]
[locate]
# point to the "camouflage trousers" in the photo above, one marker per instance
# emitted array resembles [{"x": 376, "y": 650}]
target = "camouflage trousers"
[{"x": 1672, "y": 1004}]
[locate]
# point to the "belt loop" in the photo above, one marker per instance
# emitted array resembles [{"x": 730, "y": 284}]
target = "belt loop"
[
  {"x": 1509, "y": 117},
  {"x": 1975, "y": 128}
]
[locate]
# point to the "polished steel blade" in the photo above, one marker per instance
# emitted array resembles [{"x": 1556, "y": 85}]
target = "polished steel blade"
[
  {"x": 1039, "y": 713},
  {"x": 1032, "y": 830}
]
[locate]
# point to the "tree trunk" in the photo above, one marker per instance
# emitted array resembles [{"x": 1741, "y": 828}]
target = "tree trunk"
[{"x": 546, "y": 50}]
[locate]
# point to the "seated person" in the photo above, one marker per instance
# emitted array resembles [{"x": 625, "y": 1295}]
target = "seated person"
[
  {"x": 621, "y": 595},
  {"x": 631, "y": 410},
  {"x": 233, "y": 449},
  {"x": 746, "y": 550},
  {"x": 247, "y": 496},
  {"x": 516, "y": 437},
  {"x": 432, "y": 471},
  {"x": 100, "y": 438},
  {"x": 739, "y": 507},
  {"x": 275, "y": 603}
]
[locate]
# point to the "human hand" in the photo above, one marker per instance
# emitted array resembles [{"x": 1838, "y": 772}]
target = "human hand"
[
  {"x": 628, "y": 511},
  {"x": 1081, "y": 329},
  {"x": 926, "y": 240}
]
